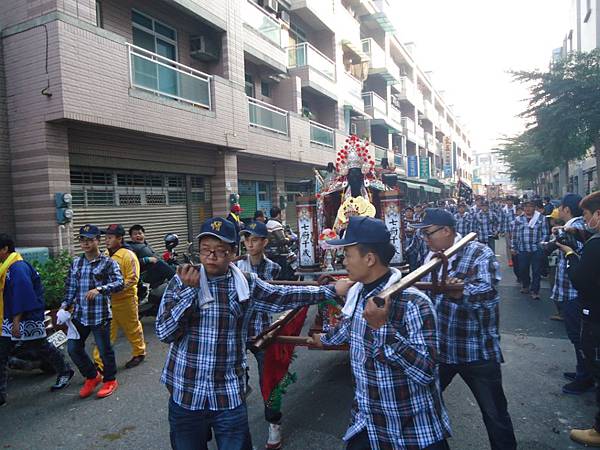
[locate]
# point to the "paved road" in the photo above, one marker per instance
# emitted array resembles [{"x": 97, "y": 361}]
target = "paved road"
[{"x": 317, "y": 407}]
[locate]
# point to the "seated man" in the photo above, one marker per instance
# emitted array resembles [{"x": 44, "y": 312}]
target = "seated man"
[{"x": 153, "y": 269}]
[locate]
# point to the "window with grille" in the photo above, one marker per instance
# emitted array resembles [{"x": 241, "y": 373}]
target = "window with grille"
[{"x": 103, "y": 188}]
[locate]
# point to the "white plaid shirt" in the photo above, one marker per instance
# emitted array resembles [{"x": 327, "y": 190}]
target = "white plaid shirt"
[
  {"x": 397, "y": 396},
  {"x": 267, "y": 270},
  {"x": 206, "y": 363},
  {"x": 464, "y": 223},
  {"x": 86, "y": 275},
  {"x": 468, "y": 327},
  {"x": 563, "y": 290},
  {"x": 527, "y": 239}
]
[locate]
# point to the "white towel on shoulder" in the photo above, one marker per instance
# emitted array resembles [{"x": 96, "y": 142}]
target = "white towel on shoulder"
[
  {"x": 534, "y": 219},
  {"x": 354, "y": 292},
  {"x": 241, "y": 286}
]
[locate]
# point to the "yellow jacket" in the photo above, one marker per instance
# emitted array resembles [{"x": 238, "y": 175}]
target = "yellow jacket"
[{"x": 130, "y": 269}]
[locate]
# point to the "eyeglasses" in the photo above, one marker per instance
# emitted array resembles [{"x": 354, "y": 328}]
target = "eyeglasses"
[
  {"x": 85, "y": 239},
  {"x": 217, "y": 253},
  {"x": 428, "y": 234}
]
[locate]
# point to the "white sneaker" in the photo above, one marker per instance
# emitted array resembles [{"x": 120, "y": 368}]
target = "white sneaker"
[{"x": 274, "y": 441}]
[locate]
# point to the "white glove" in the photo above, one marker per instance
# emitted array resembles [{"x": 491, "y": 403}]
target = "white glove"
[{"x": 62, "y": 316}]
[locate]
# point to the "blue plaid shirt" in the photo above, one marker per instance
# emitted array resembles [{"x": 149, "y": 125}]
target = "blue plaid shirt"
[
  {"x": 86, "y": 275},
  {"x": 415, "y": 245},
  {"x": 206, "y": 362},
  {"x": 464, "y": 223},
  {"x": 485, "y": 224},
  {"x": 266, "y": 270},
  {"x": 508, "y": 219},
  {"x": 527, "y": 239},
  {"x": 468, "y": 327},
  {"x": 397, "y": 395},
  {"x": 563, "y": 290}
]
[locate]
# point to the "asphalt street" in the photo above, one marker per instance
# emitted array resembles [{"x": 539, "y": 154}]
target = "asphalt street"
[{"x": 316, "y": 408}]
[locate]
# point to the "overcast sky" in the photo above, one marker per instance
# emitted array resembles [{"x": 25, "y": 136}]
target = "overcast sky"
[{"x": 470, "y": 44}]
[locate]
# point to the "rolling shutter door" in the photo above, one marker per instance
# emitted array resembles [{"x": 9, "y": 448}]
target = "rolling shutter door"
[{"x": 156, "y": 201}]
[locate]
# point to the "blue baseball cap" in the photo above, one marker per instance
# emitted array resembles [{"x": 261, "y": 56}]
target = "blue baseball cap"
[
  {"x": 572, "y": 201},
  {"x": 219, "y": 228},
  {"x": 435, "y": 216},
  {"x": 89, "y": 231},
  {"x": 363, "y": 230},
  {"x": 256, "y": 228}
]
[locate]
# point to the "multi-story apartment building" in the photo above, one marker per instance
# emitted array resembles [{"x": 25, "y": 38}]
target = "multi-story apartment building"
[
  {"x": 584, "y": 35},
  {"x": 157, "y": 111},
  {"x": 490, "y": 170}
]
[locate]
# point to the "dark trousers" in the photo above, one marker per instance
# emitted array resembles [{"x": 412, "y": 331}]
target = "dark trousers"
[
  {"x": 531, "y": 261},
  {"x": 491, "y": 242},
  {"x": 45, "y": 351},
  {"x": 360, "y": 441},
  {"x": 590, "y": 344},
  {"x": 83, "y": 361},
  {"x": 271, "y": 415},
  {"x": 516, "y": 269},
  {"x": 191, "y": 430},
  {"x": 484, "y": 378},
  {"x": 571, "y": 312}
]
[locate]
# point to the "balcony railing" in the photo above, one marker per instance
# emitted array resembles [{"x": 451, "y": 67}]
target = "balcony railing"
[
  {"x": 374, "y": 101},
  {"x": 268, "y": 117},
  {"x": 408, "y": 125},
  {"x": 262, "y": 22},
  {"x": 352, "y": 86},
  {"x": 167, "y": 78},
  {"x": 306, "y": 55},
  {"x": 395, "y": 114},
  {"x": 380, "y": 153},
  {"x": 322, "y": 135}
]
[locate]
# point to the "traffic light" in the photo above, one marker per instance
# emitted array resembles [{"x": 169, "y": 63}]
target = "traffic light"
[{"x": 63, "y": 202}]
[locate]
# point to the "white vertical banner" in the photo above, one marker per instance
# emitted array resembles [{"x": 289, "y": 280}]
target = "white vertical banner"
[
  {"x": 393, "y": 223},
  {"x": 306, "y": 232}
]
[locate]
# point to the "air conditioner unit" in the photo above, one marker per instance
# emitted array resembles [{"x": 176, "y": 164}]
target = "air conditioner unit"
[
  {"x": 204, "y": 48},
  {"x": 284, "y": 16},
  {"x": 271, "y": 5}
]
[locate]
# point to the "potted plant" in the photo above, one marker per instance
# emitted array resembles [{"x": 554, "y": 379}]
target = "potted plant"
[{"x": 54, "y": 274}]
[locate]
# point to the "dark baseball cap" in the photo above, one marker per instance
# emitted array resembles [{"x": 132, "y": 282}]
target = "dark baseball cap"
[
  {"x": 256, "y": 228},
  {"x": 363, "y": 230},
  {"x": 219, "y": 228},
  {"x": 435, "y": 216},
  {"x": 572, "y": 201},
  {"x": 116, "y": 229},
  {"x": 89, "y": 231}
]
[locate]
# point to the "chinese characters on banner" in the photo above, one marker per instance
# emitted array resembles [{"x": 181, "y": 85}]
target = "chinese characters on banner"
[
  {"x": 447, "y": 155},
  {"x": 393, "y": 222},
  {"x": 413, "y": 166},
  {"x": 306, "y": 231},
  {"x": 423, "y": 167}
]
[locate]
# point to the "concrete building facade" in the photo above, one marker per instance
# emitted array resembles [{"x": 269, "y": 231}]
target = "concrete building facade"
[{"x": 157, "y": 112}]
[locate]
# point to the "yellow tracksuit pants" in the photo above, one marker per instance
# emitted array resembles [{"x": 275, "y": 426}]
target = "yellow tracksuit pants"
[{"x": 125, "y": 317}]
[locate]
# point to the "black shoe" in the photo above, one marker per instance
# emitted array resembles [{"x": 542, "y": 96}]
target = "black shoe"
[
  {"x": 62, "y": 381},
  {"x": 570, "y": 375},
  {"x": 578, "y": 387},
  {"x": 134, "y": 362}
]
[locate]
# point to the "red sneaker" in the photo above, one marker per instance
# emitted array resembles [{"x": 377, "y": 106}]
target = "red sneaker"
[
  {"x": 89, "y": 386},
  {"x": 107, "y": 389}
]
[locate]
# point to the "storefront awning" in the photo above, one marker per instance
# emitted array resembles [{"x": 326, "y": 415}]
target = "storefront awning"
[
  {"x": 432, "y": 189},
  {"x": 411, "y": 185}
]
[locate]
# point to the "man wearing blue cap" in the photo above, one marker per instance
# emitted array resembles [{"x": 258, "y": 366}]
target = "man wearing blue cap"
[
  {"x": 563, "y": 291},
  {"x": 397, "y": 402},
  {"x": 92, "y": 278},
  {"x": 256, "y": 238},
  {"x": 204, "y": 316},
  {"x": 468, "y": 324}
]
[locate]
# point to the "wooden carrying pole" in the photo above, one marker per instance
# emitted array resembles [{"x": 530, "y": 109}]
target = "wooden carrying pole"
[{"x": 412, "y": 279}]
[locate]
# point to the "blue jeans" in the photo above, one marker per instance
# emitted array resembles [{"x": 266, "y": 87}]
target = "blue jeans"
[
  {"x": 191, "y": 430},
  {"x": 82, "y": 360},
  {"x": 571, "y": 311},
  {"x": 531, "y": 261}
]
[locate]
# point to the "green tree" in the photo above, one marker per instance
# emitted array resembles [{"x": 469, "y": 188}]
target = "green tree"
[
  {"x": 523, "y": 159},
  {"x": 564, "y": 107}
]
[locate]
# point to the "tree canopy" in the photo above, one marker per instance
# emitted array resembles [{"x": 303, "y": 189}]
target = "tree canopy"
[{"x": 564, "y": 108}]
